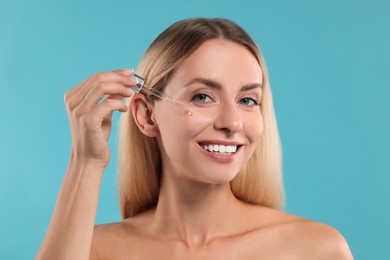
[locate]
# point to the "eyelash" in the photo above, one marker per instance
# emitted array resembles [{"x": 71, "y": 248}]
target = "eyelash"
[
  {"x": 205, "y": 95},
  {"x": 255, "y": 102},
  {"x": 198, "y": 95}
]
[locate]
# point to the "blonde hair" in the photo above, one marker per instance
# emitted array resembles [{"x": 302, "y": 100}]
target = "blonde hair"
[{"x": 139, "y": 168}]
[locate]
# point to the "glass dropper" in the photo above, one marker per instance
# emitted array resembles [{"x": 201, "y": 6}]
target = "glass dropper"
[{"x": 141, "y": 87}]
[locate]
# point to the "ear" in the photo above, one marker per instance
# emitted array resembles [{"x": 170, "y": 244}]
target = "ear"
[{"x": 142, "y": 111}]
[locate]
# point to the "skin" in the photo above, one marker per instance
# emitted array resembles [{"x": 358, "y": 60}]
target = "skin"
[{"x": 197, "y": 216}]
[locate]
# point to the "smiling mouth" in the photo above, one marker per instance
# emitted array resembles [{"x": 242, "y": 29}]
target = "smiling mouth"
[{"x": 220, "y": 149}]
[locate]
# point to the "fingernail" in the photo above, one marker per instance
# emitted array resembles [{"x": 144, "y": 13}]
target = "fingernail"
[{"x": 128, "y": 71}]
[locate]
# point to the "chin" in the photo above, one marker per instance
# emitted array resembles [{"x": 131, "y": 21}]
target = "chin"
[{"x": 218, "y": 178}]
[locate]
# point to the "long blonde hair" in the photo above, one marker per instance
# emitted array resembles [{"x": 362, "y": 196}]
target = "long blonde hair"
[{"x": 139, "y": 167}]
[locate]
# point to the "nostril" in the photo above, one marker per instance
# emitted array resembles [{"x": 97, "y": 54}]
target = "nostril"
[{"x": 229, "y": 120}]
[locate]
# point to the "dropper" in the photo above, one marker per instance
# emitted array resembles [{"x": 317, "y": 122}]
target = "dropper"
[{"x": 140, "y": 86}]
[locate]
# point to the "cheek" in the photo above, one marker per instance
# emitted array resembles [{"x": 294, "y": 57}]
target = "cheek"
[
  {"x": 254, "y": 128},
  {"x": 178, "y": 129}
]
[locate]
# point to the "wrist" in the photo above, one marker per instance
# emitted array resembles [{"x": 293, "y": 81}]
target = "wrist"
[{"x": 83, "y": 162}]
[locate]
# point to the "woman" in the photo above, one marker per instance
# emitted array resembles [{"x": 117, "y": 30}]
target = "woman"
[{"x": 204, "y": 185}]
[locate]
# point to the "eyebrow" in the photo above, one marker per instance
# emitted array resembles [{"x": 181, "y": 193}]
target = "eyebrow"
[{"x": 216, "y": 85}]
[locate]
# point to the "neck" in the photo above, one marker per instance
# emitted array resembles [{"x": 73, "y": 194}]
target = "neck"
[{"x": 195, "y": 212}]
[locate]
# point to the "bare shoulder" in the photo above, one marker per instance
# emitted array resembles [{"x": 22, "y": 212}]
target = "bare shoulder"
[
  {"x": 321, "y": 241},
  {"x": 108, "y": 239},
  {"x": 108, "y": 232},
  {"x": 118, "y": 239},
  {"x": 305, "y": 238},
  {"x": 103, "y": 235}
]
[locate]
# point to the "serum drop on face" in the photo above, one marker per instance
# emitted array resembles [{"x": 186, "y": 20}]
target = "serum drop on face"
[{"x": 141, "y": 87}]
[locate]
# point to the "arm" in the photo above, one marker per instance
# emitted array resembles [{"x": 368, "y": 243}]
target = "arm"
[{"x": 70, "y": 231}]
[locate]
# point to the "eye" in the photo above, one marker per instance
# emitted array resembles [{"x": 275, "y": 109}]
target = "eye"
[
  {"x": 201, "y": 98},
  {"x": 250, "y": 102}
]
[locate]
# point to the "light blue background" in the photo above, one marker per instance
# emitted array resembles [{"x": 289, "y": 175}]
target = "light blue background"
[{"x": 328, "y": 63}]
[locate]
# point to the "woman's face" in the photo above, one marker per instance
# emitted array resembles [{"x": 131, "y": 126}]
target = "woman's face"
[{"x": 221, "y": 82}]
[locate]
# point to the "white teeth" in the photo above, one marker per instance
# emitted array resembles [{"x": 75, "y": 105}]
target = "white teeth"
[
  {"x": 232, "y": 149},
  {"x": 220, "y": 148}
]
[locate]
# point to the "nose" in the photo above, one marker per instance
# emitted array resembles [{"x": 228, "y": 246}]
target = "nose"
[{"x": 228, "y": 119}]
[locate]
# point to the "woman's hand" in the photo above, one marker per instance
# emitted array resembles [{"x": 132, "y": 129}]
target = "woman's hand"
[
  {"x": 91, "y": 120},
  {"x": 90, "y": 106}
]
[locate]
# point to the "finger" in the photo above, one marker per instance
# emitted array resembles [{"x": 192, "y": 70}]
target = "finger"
[
  {"x": 106, "y": 108},
  {"x": 73, "y": 97},
  {"x": 123, "y": 76},
  {"x": 107, "y": 120},
  {"x": 99, "y": 79},
  {"x": 111, "y": 76},
  {"x": 126, "y": 72},
  {"x": 106, "y": 88},
  {"x": 117, "y": 97}
]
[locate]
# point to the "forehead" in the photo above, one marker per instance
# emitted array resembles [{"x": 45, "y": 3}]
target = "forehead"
[{"x": 223, "y": 61}]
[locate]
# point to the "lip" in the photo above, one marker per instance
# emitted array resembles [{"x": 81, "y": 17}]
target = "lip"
[
  {"x": 220, "y": 158},
  {"x": 221, "y": 142}
]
